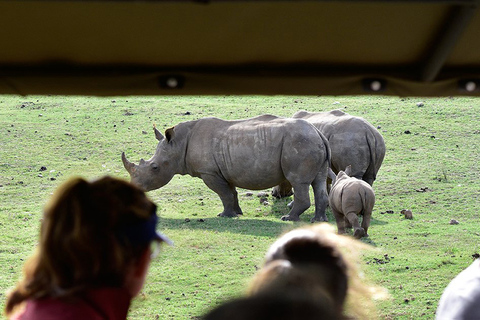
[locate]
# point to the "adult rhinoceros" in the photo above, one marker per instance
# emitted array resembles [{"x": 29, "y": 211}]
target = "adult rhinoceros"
[
  {"x": 254, "y": 154},
  {"x": 353, "y": 141}
]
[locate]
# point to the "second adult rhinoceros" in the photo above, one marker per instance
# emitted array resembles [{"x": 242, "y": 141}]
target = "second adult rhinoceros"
[
  {"x": 353, "y": 141},
  {"x": 254, "y": 154}
]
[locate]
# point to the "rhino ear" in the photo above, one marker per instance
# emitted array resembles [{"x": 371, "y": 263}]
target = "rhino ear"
[
  {"x": 170, "y": 133},
  {"x": 158, "y": 135},
  {"x": 348, "y": 170}
]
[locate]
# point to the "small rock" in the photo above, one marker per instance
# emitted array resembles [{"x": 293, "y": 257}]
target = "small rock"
[
  {"x": 187, "y": 113},
  {"x": 262, "y": 195},
  {"x": 407, "y": 213},
  {"x": 187, "y": 220},
  {"x": 144, "y": 132},
  {"x": 453, "y": 221},
  {"x": 423, "y": 189},
  {"x": 43, "y": 168},
  {"x": 407, "y": 132},
  {"x": 420, "y": 104},
  {"x": 201, "y": 220},
  {"x": 390, "y": 211},
  {"x": 248, "y": 194}
]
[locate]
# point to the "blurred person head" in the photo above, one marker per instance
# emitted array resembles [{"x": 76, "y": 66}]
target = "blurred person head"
[
  {"x": 278, "y": 306},
  {"x": 93, "y": 234},
  {"x": 320, "y": 265}
]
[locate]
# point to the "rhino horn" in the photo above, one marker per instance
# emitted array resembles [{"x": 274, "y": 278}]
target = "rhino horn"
[{"x": 129, "y": 166}]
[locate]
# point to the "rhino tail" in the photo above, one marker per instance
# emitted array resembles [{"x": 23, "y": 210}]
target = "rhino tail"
[
  {"x": 327, "y": 148},
  {"x": 376, "y": 157}
]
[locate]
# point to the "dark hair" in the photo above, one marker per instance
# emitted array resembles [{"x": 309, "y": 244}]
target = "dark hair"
[
  {"x": 280, "y": 306},
  {"x": 319, "y": 266},
  {"x": 82, "y": 243}
]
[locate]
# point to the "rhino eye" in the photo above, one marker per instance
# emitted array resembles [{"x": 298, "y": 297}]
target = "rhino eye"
[{"x": 154, "y": 166}]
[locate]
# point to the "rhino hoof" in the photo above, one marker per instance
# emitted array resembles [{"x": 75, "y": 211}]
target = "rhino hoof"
[
  {"x": 321, "y": 219},
  {"x": 227, "y": 215},
  {"x": 290, "y": 218},
  {"x": 359, "y": 233}
]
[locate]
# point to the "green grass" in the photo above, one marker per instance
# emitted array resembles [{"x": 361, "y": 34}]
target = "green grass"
[{"x": 214, "y": 258}]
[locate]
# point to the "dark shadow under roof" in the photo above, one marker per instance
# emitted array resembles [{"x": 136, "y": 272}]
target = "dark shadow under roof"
[{"x": 405, "y": 48}]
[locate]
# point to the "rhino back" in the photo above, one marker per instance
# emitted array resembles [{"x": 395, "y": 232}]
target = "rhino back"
[
  {"x": 353, "y": 141},
  {"x": 252, "y": 153},
  {"x": 352, "y": 194}
]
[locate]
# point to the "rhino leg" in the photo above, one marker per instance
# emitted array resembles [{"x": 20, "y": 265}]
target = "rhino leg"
[
  {"x": 227, "y": 193},
  {"x": 366, "y": 221},
  {"x": 340, "y": 219},
  {"x": 283, "y": 190},
  {"x": 319, "y": 186},
  {"x": 358, "y": 232},
  {"x": 348, "y": 225},
  {"x": 368, "y": 180},
  {"x": 301, "y": 202}
]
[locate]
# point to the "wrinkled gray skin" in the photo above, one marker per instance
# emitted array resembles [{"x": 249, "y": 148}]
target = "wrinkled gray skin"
[
  {"x": 353, "y": 141},
  {"x": 349, "y": 198},
  {"x": 253, "y": 154}
]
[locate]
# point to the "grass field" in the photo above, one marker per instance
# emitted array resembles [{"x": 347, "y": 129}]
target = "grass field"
[{"x": 431, "y": 167}]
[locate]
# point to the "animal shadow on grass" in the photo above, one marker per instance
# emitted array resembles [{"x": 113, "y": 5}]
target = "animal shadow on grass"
[
  {"x": 255, "y": 226},
  {"x": 371, "y": 232},
  {"x": 280, "y": 208},
  {"x": 250, "y": 226}
]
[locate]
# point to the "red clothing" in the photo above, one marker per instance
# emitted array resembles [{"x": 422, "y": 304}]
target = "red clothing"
[{"x": 99, "y": 304}]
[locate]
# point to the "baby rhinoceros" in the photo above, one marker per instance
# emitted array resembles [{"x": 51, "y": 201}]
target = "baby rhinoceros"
[{"x": 349, "y": 198}]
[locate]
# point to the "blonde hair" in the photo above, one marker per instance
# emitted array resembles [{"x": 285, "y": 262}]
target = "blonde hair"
[
  {"x": 319, "y": 265},
  {"x": 82, "y": 243}
]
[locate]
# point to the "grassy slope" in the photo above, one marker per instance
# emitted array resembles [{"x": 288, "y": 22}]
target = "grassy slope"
[{"x": 213, "y": 260}]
